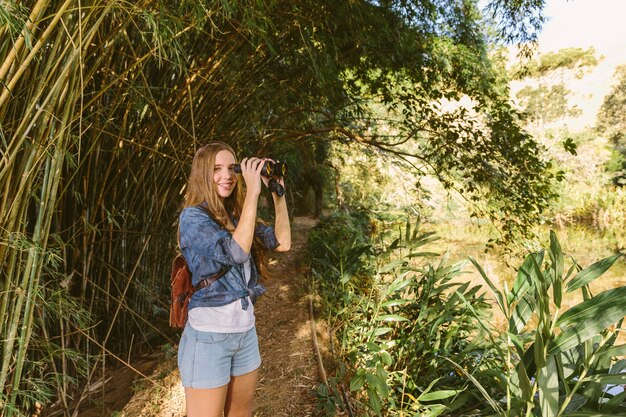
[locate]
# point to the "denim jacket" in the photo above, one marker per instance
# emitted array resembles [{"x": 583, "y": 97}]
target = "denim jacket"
[{"x": 207, "y": 247}]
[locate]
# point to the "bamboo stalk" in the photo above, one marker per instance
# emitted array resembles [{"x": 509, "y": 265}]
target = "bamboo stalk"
[
  {"x": 24, "y": 64},
  {"x": 35, "y": 15}
]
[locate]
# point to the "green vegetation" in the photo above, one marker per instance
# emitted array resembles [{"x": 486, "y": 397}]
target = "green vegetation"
[
  {"x": 548, "y": 102},
  {"x": 612, "y": 124},
  {"x": 409, "y": 337},
  {"x": 102, "y": 105}
]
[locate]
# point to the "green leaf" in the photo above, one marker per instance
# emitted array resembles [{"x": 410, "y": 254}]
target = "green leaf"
[
  {"x": 393, "y": 303},
  {"x": 523, "y": 282},
  {"x": 524, "y": 382},
  {"x": 492, "y": 402},
  {"x": 522, "y": 313},
  {"x": 379, "y": 331},
  {"x": 619, "y": 379},
  {"x": 391, "y": 317},
  {"x": 374, "y": 399},
  {"x": 548, "y": 383},
  {"x": 615, "y": 402},
  {"x": 398, "y": 284},
  {"x": 358, "y": 380},
  {"x": 420, "y": 254},
  {"x": 592, "y": 272},
  {"x": 391, "y": 266},
  {"x": 385, "y": 357},
  {"x": 589, "y": 318},
  {"x": 438, "y": 395},
  {"x": 557, "y": 288},
  {"x": 556, "y": 256},
  {"x": 575, "y": 403},
  {"x": 373, "y": 347},
  {"x": 499, "y": 297},
  {"x": 613, "y": 352},
  {"x": 540, "y": 358}
]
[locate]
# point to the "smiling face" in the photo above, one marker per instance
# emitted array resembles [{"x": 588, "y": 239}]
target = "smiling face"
[{"x": 224, "y": 177}]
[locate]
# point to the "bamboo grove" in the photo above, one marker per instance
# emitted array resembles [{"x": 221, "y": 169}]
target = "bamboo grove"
[
  {"x": 102, "y": 103},
  {"x": 96, "y": 129}
]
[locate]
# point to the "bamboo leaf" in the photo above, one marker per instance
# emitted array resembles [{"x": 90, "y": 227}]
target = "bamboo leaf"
[
  {"x": 499, "y": 297},
  {"x": 611, "y": 405},
  {"x": 556, "y": 256},
  {"x": 379, "y": 331},
  {"x": 438, "y": 395},
  {"x": 398, "y": 284},
  {"x": 589, "y": 318},
  {"x": 619, "y": 379},
  {"x": 548, "y": 383},
  {"x": 394, "y": 303},
  {"x": 576, "y": 403},
  {"x": 524, "y": 382},
  {"x": 391, "y": 266},
  {"x": 522, "y": 313},
  {"x": 391, "y": 317},
  {"x": 592, "y": 272},
  {"x": 479, "y": 386}
]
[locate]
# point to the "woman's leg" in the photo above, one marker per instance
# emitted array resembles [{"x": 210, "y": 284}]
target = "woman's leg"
[
  {"x": 208, "y": 402},
  {"x": 240, "y": 395}
]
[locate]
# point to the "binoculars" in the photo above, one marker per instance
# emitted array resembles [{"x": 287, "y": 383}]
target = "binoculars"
[{"x": 271, "y": 169}]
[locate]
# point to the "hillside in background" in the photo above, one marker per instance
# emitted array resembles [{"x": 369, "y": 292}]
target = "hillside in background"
[{"x": 588, "y": 91}]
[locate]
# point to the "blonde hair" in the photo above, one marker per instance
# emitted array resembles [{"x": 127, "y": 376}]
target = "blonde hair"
[{"x": 201, "y": 188}]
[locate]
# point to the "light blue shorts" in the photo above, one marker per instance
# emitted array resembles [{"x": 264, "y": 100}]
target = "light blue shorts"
[{"x": 208, "y": 360}]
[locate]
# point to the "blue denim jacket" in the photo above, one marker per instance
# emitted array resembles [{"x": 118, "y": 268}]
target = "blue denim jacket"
[{"x": 207, "y": 247}]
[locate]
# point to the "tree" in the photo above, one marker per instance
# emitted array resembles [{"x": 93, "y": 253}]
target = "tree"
[
  {"x": 548, "y": 101},
  {"x": 612, "y": 123},
  {"x": 102, "y": 105}
]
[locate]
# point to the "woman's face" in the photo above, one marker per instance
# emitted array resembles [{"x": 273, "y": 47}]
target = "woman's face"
[{"x": 224, "y": 177}]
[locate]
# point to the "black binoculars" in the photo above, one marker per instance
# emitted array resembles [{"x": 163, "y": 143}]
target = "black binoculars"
[{"x": 271, "y": 169}]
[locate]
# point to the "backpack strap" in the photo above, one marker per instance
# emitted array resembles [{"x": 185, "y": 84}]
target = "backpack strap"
[{"x": 208, "y": 281}]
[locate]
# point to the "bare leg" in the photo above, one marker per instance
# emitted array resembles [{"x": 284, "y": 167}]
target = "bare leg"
[
  {"x": 205, "y": 402},
  {"x": 241, "y": 395}
]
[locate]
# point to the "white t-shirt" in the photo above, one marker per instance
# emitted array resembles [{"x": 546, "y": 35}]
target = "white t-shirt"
[{"x": 230, "y": 318}]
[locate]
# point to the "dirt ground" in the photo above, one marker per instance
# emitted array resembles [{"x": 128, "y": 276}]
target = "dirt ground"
[{"x": 288, "y": 376}]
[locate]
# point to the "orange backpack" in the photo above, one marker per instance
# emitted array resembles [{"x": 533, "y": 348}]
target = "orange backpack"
[{"x": 182, "y": 290}]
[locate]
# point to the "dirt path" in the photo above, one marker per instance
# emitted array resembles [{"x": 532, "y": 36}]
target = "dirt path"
[{"x": 288, "y": 376}]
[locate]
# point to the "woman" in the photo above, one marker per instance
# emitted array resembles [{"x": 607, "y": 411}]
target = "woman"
[{"x": 218, "y": 355}]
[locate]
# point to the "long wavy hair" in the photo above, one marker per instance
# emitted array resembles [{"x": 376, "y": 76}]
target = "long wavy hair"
[{"x": 201, "y": 189}]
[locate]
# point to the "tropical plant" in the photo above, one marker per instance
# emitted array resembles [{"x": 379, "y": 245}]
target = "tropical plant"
[
  {"x": 392, "y": 337},
  {"x": 550, "y": 362}
]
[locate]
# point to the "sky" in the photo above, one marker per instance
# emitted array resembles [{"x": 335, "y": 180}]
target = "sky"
[{"x": 584, "y": 23}]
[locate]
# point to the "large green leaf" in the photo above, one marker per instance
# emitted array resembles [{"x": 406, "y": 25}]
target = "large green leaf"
[
  {"x": 522, "y": 313},
  {"x": 589, "y": 318},
  {"x": 499, "y": 297},
  {"x": 607, "y": 378},
  {"x": 556, "y": 256},
  {"x": 592, "y": 272},
  {"x": 524, "y": 282},
  {"x": 438, "y": 395}
]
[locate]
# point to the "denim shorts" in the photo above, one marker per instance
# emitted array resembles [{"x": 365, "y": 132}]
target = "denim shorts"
[{"x": 208, "y": 360}]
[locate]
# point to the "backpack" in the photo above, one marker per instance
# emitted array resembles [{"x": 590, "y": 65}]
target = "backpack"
[{"x": 182, "y": 290}]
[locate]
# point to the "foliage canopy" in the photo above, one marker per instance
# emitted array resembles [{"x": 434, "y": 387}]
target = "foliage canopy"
[{"x": 102, "y": 104}]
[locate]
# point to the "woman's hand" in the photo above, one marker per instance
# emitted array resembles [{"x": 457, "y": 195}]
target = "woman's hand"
[{"x": 251, "y": 173}]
